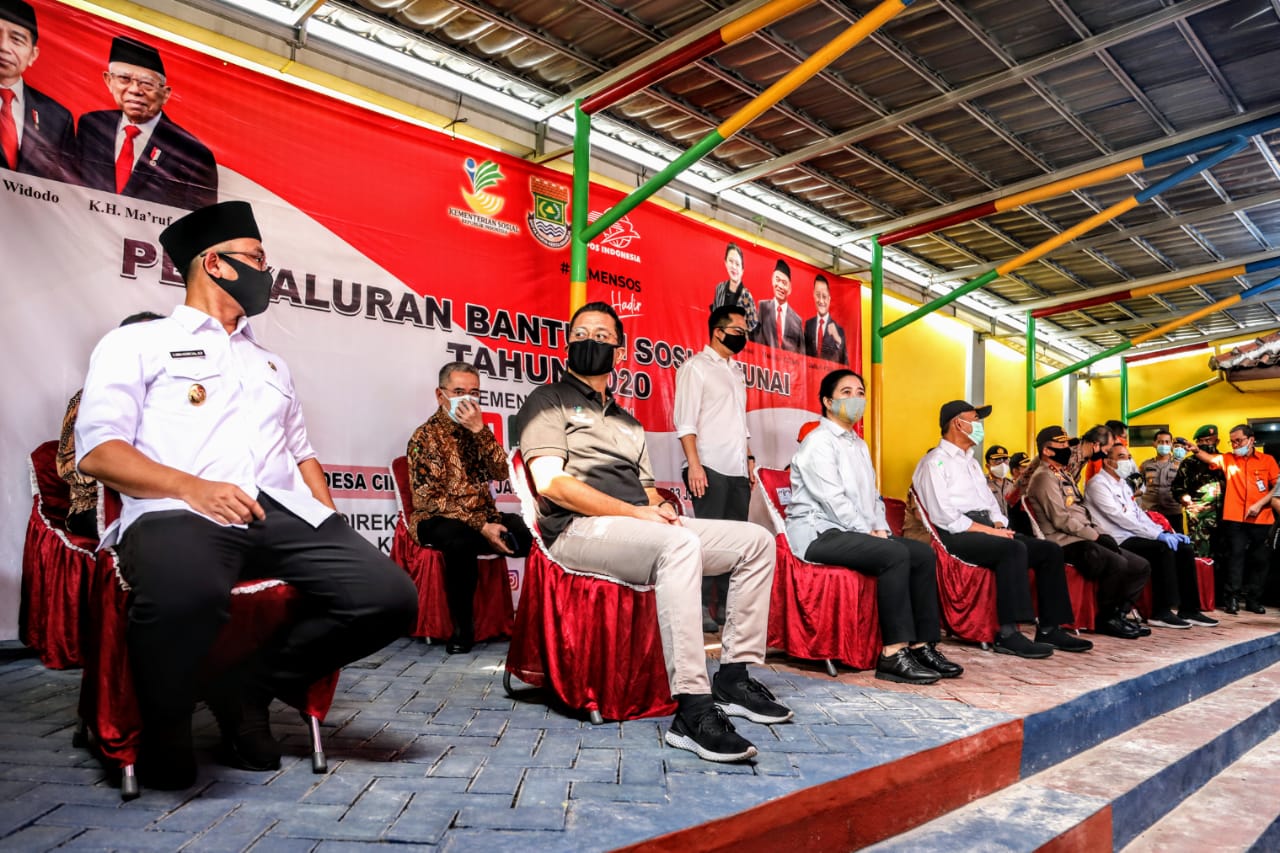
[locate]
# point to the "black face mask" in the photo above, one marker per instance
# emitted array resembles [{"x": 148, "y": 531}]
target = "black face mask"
[
  {"x": 252, "y": 289},
  {"x": 1208, "y": 448},
  {"x": 591, "y": 358},
  {"x": 1098, "y": 455},
  {"x": 734, "y": 343},
  {"x": 1062, "y": 455}
]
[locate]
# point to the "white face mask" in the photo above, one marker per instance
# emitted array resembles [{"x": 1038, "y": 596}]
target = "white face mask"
[
  {"x": 1125, "y": 467},
  {"x": 1001, "y": 471}
]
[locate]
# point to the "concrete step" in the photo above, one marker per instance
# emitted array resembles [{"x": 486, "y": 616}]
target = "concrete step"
[
  {"x": 1105, "y": 796},
  {"x": 1237, "y": 810}
]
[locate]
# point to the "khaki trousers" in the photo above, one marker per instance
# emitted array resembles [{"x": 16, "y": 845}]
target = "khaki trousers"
[{"x": 674, "y": 559}]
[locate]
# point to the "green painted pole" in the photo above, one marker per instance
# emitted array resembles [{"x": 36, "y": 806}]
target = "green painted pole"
[
  {"x": 1173, "y": 398},
  {"x": 581, "y": 205},
  {"x": 1031, "y": 380},
  {"x": 1067, "y": 371},
  {"x": 1124, "y": 391},
  {"x": 877, "y": 353},
  {"x": 941, "y": 301},
  {"x": 703, "y": 147}
]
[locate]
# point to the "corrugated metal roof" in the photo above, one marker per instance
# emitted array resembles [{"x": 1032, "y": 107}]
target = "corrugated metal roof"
[{"x": 1046, "y": 99}]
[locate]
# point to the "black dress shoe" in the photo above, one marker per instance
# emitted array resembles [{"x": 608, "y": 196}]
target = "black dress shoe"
[
  {"x": 1063, "y": 640},
  {"x": 1231, "y": 606},
  {"x": 1254, "y": 607},
  {"x": 1143, "y": 630},
  {"x": 459, "y": 645},
  {"x": 1117, "y": 627},
  {"x": 929, "y": 657},
  {"x": 903, "y": 668}
]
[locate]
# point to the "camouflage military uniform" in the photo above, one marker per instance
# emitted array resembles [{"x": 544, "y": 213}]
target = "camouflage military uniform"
[{"x": 1204, "y": 486}]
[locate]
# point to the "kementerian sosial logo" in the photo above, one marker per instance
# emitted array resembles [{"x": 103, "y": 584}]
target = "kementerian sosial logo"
[
  {"x": 549, "y": 219},
  {"x": 485, "y": 205}
]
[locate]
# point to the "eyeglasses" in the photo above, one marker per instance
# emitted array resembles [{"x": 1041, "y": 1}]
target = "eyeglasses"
[
  {"x": 1239, "y": 442},
  {"x": 997, "y": 460},
  {"x": 146, "y": 84},
  {"x": 461, "y": 392},
  {"x": 259, "y": 260},
  {"x": 601, "y": 335}
]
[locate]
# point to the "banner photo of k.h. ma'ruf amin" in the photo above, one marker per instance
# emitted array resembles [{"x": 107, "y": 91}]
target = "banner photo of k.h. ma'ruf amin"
[{"x": 395, "y": 249}]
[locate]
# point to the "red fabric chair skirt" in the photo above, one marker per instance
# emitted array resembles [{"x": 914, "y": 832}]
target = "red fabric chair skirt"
[
  {"x": 55, "y": 565},
  {"x": 1204, "y": 582},
  {"x": 592, "y": 642},
  {"x": 108, "y": 705},
  {"x": 494, "y": 614},
  {"x": 966, "y": 597},
  {"x": 819, "y": 612}
]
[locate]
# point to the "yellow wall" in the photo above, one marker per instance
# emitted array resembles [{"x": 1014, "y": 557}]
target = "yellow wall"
[
  {"x": 1219, "y": 404},
  {"x": 925, "y": 365}
]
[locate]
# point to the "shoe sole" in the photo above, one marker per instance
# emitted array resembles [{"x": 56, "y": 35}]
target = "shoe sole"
[
  {"x": 1120, "y": 636},
  {"x": 1070, "y": 649},
  {"x": 1159, "y": 623},
  {"x": 885, "y": 676},
  {"x": 1200, "y": 623},
  {"x": 734, "y": 710},
  {"x": 1001, "y": 650},
  {"x": 688, "y": 743}
]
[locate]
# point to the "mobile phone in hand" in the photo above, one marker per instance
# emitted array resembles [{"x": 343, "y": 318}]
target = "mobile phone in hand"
[{"x": 508, "y": 539}]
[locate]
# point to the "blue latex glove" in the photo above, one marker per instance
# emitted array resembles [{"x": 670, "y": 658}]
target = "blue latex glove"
[
  {"x": 1183, "y": 538},
  {"x": 1169, "y": 539}
]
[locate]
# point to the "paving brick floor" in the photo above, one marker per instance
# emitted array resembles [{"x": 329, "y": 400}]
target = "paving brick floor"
[{"x": 426, "y": 750}]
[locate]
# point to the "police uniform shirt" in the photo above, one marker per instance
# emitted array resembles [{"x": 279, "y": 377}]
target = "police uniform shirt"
[
  {"x": 601, "y": 444},
  {"x": 949, "y": 482},
  {"x": 1158, "y": 473},
  {"x": 188, "y": 395}
]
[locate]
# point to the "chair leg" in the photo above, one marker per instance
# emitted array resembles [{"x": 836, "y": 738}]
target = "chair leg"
[
  {"x": 319, "y": 764},
  {"x": 506, "y": 683},
  {"x": 831, "y": 667},
  {"x": 596, "y": 719},
  {"x": 80, "y": 737},
  {"x": 986, "y": 647},
  {"x": 128, "y": 783}
]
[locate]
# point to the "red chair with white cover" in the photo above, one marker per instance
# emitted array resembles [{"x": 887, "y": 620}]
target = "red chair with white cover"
[
  {"x": 494, "y": 614},
  {"x": 966, "y": 592},
  {"x": 109, "y": 718},
  {"x": 817, "y": 612},
  {"x": 55, "y": 566},
  {"x": 1082, "y": 591},
  {"x": 591, "y": 639}
]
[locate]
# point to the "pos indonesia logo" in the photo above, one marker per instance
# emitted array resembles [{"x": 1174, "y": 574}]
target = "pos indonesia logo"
[
  {"x": 617, "y": 239},
  {"x": 549, "y": 220},
  {"x": 485, "y": 206}
]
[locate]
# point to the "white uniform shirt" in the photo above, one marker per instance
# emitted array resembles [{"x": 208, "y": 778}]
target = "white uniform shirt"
[
  {"x": 833, "y": 486},
  {"x": 1114, "y": 511},
  {"x": 949, "y": 482},
  {"x": 188, "y": 395},
  {"x": 711, "y": 403}
]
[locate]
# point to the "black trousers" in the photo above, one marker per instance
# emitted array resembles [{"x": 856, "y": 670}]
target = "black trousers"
[
  {"x": 906, "y": 580},
  {"x": 1010, "y": 559},
  {"x": 461, "y": 544},
  {"x": 181, "y": 568},
  {"x": 1173, "y": 573},
  {"x": 1120, "y": 575},
  {"x": 1248, "y": 559},
  {"x": 729, "y": 499}
]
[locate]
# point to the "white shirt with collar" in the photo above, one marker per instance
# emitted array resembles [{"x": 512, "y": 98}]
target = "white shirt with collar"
[
  {"x": 186, "y": 394},
  {"x": 140, "y": 141},
  {"x": 17, "y": 106},
  {"x": 711, "y": 403},
  {"x": 1114, "y": 511},
  {"x": 833, "y": 486},
  {"x": 949, "y": 482}
]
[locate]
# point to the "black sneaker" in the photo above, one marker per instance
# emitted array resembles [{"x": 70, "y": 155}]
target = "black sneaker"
[
  {"x": 1195, "y": 617},
  {"x": 1063, "y": 640},
  {"x": 1167, "y": 620},
  {"x": 748, "y": 698},
  {"x": 710, "y": 736},
  {"x": 1016, "y": 644}
]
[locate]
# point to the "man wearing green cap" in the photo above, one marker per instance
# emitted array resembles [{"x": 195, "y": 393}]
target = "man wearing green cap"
[{"x": 198, "y": 426}]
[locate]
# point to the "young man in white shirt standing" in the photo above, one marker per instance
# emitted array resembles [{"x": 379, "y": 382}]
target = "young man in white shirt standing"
[{"x": 711, "y": 423}]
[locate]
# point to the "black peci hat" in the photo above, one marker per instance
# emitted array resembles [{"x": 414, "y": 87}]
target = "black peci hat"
[
  {"x": 208, "y": 226},
  {"x": 134, "y": 52}
]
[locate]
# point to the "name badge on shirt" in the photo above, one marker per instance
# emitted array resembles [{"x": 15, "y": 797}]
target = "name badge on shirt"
[{"x": 186, "y": 353}]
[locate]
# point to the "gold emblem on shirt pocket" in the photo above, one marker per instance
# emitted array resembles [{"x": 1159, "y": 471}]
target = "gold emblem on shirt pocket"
[
  {"x": 186, "y": 386},
  {"x": 196, "y": 395}
]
